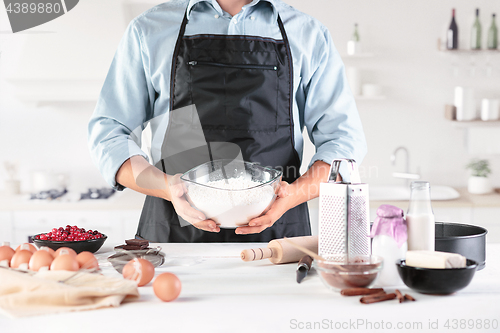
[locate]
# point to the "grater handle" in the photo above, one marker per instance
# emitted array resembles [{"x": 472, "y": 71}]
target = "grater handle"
[{"x": 334, "y": 171}]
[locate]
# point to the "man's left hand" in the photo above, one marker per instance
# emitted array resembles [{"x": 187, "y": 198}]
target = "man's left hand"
[{"x": 278, "y": 208}]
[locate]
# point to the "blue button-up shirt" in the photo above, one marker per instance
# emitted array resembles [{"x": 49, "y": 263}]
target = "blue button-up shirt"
[{"x": 137, "y": 88}]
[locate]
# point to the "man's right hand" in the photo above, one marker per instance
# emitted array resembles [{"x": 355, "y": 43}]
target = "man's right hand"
[{"x": 177, "y": 189}]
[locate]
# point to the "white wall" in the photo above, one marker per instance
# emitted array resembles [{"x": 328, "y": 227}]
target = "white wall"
[{"x": 416, "y": 79}]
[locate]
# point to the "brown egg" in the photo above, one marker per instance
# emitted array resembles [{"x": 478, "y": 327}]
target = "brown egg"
[
  {"x": 64, "y": 262},
  {"x": 6, "y": 253},
  {"x": 167, "y": 287},
  {"x": 27, "y": 246},
  {"x": 20, "y": 257},
  {"x": 87, "y": 260},
  {"x": 40, "y": 259},
  {"x": 70, "y": 251},
  {"x": 139, "y": 270},
  {"x": 49, "y": 250}
]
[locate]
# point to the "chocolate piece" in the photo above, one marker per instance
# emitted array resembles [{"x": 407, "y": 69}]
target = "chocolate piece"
[
  {"x": 137, "y": 242},
  {"x": 131, "y": 247}
]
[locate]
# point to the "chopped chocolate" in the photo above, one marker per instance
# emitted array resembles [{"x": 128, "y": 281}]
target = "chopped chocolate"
[{"x": 137, "y": 242}]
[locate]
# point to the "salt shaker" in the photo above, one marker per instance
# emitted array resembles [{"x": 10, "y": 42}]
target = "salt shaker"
[
  {"x": 420, "y": 218},
  {"x": 389, "y": 235}
]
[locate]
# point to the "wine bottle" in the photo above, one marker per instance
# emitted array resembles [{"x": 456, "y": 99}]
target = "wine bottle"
[
  {"x": 475, "y": 36},
  {"x": 493, "y": 35},
  {"x": 355, "y": 35},
  {"x": 452, "y": 33}
]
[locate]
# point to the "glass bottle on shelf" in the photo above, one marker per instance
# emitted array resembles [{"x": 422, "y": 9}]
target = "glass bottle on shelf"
[
  {"x": 493, "y": 35},
  {"x": 420, "y": 218},
  {"x": 355, "y": 35},
  {"x": 452, "y": 33},
  {"x": 354, "y": 45},
  {"x": 475, "y": 34}
]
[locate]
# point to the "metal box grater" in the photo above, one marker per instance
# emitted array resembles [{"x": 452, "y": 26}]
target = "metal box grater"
[{"x": 344, "y": 226}]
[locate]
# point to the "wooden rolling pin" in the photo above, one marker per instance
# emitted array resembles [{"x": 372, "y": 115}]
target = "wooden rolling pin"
[{"x": 278, "y": 251}]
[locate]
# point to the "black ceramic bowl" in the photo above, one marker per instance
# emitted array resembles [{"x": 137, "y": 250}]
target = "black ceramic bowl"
[
  {"x": 436, "y": 281},
  {"x": 91, "y": 245}
]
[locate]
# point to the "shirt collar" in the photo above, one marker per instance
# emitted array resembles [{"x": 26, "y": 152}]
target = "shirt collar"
[{"x": 217, "y": 7}]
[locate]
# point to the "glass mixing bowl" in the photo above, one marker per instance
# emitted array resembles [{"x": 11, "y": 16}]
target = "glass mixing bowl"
[
  {"x": 231, "y": 192},
  {"x": 337, "y": 273}
]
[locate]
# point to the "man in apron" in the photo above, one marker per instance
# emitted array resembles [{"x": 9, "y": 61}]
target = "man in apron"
[{"x": 241, "y": 89}]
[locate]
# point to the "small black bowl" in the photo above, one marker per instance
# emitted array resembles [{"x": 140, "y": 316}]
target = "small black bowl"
[
  {"x": 434, "y": 280},
  {"x": 91, "y": 245}
]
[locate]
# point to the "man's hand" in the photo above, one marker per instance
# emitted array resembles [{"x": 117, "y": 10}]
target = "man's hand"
[
  {"x": 278, "y": 208},
  {"x": 184, "y": 209},
  {"x": 305, "y": 188}
]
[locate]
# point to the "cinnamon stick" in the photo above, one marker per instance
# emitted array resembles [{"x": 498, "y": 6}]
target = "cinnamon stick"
[
  {"x": 400, "y": 296},
  {"x": 410, "y": 298},
  {"x": 360, "y": 291},
  {"x": 377, "y": 298}
]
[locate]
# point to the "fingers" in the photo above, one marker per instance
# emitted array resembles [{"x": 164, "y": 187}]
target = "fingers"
[
  {"x": 256, "y": 225},
  {"x": 207, "y": 225},
  {"x": 184, "y": 209},
  {"x": 252, "y": 230},
  {"x": 193, "y": 216}
]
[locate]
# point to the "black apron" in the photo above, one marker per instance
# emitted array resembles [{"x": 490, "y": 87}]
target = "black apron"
[{"x": 242, "y": 89}]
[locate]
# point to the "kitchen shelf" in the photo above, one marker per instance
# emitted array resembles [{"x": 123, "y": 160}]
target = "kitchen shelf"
[
  {"x": 475, "y": 123},
  {"x": 359, "y": 55},
  {"x": 370, "y": 98},
  {"x": 471, "y": 52}
]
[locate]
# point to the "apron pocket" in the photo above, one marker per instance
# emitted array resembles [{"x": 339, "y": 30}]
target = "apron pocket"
[{"x": 243, "y": 96}]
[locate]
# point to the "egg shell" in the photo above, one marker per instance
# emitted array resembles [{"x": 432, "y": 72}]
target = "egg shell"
[
  {"x": 64, "y": 262},
  {"x": 25, "y": 246},
  {"x": 140, "y": 270},
  {"x": 49, "y": 250},
  {"x": 167, "y": 287},
  {"x": 70, "y": 251},
  {"x": 20, "y": 257},
  {"x": 6, "y": 253},
  {"x": 87, "y": 260},
  {"x": 40, "y": 259}
]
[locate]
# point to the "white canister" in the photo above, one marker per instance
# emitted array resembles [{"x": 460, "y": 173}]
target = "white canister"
[
  {"x": 389, "y": 233},
  {"x": 465, "y": 104},
  {"x": 354, "y": 79},
  {"x": 353, "y": 47},
  {"x": 371, "y": 90},
  {"x": 490, "y": 109},
  {"x": 387, "y": 248}
]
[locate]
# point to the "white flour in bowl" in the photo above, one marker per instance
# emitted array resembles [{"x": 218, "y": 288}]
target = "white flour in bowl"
[{"x": 227, "y": 204}]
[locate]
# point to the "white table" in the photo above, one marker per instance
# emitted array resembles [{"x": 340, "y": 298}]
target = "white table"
[{"x": 221, "y": 293}]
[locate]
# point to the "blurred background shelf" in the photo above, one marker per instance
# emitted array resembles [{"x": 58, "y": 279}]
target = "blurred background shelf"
[{"x": 475, "y": 123}]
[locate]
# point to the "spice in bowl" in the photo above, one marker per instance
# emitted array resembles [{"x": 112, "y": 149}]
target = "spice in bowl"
[{"x": 339, "y": 272}]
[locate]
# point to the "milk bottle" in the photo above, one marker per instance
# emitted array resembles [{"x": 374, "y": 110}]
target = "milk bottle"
[{"x": 420, "y": 218}]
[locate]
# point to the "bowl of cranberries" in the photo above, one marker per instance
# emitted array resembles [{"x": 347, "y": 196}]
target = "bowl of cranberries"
[{"x": 73, "y": 237}]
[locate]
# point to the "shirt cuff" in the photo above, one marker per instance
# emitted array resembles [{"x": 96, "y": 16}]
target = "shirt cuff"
[
  {"x": 113, "y": 159},
  {"x": 329, "y": 155}
]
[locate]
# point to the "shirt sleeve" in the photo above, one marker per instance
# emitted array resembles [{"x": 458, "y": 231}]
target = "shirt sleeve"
[
  {"x": 124, "y": 105},
  {"x": 330, "y": 113}
]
